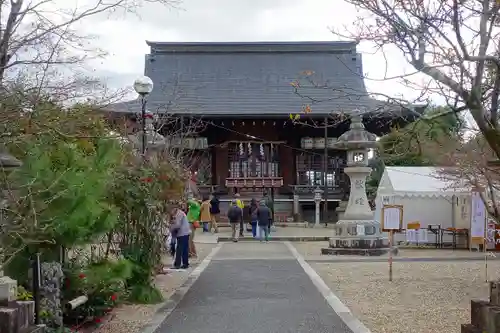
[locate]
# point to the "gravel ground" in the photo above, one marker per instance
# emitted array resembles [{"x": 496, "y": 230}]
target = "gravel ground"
[
  {"x": 132, "y": 318},
  {"x": 423, "y": 297},
  {"x": 312, "y": 251}
]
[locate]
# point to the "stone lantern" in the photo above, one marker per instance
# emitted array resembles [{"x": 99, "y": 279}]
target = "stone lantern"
[
  {"x": 8, "y": 286},
  {"x": 317, "y": 200},
  {"x": 149, "y": 139},
  {"x": 7, "y": 161},
  {"x": 357, "y": 232}
]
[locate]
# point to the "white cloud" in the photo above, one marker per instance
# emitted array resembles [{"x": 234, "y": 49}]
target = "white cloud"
[{"x": 124, "y": 36}]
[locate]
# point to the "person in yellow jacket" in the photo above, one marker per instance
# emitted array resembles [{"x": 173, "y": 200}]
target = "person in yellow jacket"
[{"x": 240, "y": 204}]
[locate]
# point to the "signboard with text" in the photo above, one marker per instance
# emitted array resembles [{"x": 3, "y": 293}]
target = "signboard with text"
[
  {"x": 392, "y": 217},
  {"x": 478, "y": 220}
]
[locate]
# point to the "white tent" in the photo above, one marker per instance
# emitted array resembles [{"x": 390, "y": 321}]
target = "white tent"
[{"x": 426, "y": 197}]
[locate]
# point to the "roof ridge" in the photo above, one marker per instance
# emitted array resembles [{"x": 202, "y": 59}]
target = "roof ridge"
[{"x": 256, "y": 46}]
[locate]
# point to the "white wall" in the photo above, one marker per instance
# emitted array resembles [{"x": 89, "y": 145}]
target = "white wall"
[{"x": 426, "y": 210}]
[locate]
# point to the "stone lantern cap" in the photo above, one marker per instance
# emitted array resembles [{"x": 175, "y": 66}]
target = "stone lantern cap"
[
  {"x": 357, "y": 137},
  {"x": 7, "y": 161},
  {"x": 153, "y": 139}
]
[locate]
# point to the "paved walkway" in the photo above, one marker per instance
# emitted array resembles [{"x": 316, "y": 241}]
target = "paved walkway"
[
  {"x": 206, "y": 237},
  {"x": 253, "y": 288}
]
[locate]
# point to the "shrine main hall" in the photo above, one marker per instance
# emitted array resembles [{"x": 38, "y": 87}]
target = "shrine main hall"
[{"x": 244, "y": 98}]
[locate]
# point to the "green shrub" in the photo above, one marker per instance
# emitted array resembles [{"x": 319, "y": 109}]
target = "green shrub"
[
  {"x": 61, "y": 188},
  {"x": 23, "y": 294},
  {"x": 104, "y": 283}
]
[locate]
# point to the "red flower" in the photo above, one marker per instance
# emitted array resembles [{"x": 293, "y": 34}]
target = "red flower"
[
  {"x": 113, "y": 297},
  {"x": 147, "y": 180},
  {"x": 81, "y": 276},
  {"x": 98, "y": 320}
]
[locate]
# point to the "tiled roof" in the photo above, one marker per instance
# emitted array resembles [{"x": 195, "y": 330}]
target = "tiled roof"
[{"x": 255, "y": 78}]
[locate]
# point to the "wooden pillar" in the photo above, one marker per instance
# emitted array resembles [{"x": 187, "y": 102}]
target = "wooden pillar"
[
  {"x": 287, "y": 165},
  {"x": 213, "y": 167},
  {"x": 325, "y": 173},
  {"x": 221, "y": 165}
]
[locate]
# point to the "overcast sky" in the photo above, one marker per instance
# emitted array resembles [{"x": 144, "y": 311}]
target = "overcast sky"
[{"x": 229, "y": 20}]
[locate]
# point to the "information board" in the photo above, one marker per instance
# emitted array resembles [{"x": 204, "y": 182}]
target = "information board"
[{"x": 392, "y": 217}]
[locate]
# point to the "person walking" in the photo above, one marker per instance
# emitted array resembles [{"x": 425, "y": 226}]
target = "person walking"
[
  {"x": 241, "y": 205},
  {"x": 181, "y": 229},
  {"x": 193, "y": 217},
  {"x": 234, "y": 215},
  {"x": 205, "y": 217},
  {"x": 214, "y": 212},
  {"x": 254, "y": 206},
  {"x": 264, "y": 221},
  {"x": 270, "y": 204}
]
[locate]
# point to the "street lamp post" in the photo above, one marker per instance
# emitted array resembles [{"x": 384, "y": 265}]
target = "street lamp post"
[{"x": 143, "y": 86}]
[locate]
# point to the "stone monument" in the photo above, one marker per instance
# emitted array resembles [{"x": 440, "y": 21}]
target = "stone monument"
[
  {"x": 485, "y": 314},
  {"x": 357, "y": 232}
]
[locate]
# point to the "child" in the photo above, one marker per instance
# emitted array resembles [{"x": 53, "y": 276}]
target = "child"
[{"x": 173, "y": 242}]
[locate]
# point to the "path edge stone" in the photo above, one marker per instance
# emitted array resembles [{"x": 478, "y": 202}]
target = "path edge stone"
[
  {"x": 354, "y": 324},
  {"x": 171, "y": 303}
]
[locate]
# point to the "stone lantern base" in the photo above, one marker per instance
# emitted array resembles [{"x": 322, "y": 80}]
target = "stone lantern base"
[{"x": 357, "y": 238}]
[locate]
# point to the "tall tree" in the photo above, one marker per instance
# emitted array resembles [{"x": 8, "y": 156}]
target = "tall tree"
[
  {"x": 37, "y": 36},
  {"x": 454, "y": 43},
  {"x": 417, "y": 143}
]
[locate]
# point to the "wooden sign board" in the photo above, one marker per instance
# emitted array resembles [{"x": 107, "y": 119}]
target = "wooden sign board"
[
  {"x": 392, "y": 218},
  {"x": 413, "y": 225},
  {"x": 391, "y": 221}
]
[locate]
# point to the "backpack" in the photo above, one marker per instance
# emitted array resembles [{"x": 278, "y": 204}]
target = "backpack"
[{"x": 234, "y": 213}]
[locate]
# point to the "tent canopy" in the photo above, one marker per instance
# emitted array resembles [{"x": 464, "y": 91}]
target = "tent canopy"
[{"x": 418, "y": 182}]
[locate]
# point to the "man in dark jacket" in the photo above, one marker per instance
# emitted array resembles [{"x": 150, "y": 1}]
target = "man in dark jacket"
[
  {"x": 234, "y": 215},
  {"x": 264, "y": 217},
  {"x": 214, "y": 212}
]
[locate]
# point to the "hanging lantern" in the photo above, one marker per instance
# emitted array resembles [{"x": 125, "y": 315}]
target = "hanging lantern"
[{"x": 249, "y": 149}]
